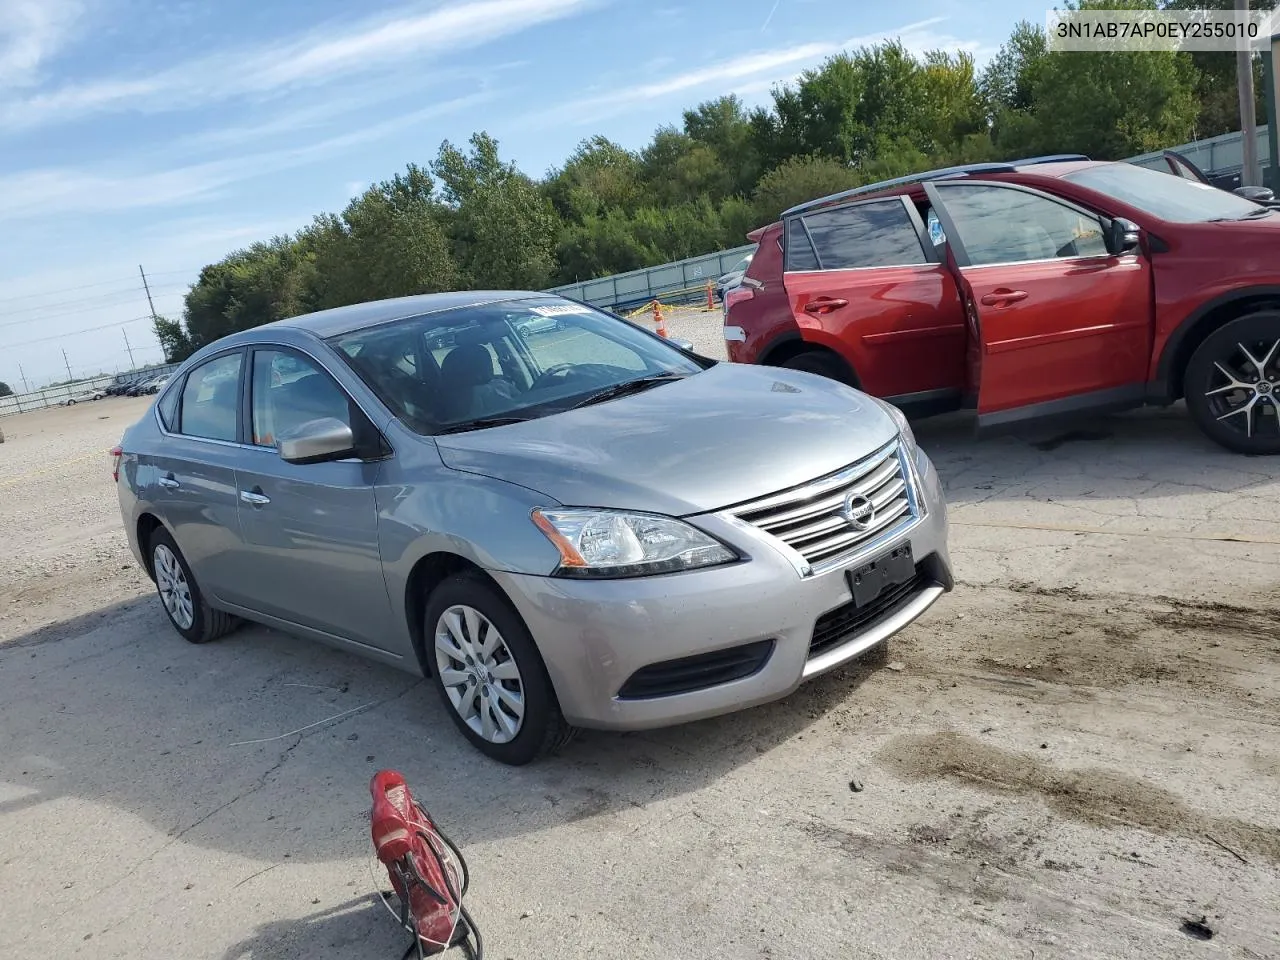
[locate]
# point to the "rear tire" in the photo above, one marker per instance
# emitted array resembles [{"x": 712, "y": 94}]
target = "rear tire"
[
  {"x": 184, "y": 604},
  {"x": 1232, "y": 384},
  {"x": 818, "y": 362},
  {"x": 469, "y": 598}
]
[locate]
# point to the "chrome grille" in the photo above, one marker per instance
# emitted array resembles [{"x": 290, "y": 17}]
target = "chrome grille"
[{"x": 809, "y": 518}]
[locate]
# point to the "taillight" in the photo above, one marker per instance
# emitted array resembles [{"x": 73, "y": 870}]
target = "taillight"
[{"x": 116, "y": 454}]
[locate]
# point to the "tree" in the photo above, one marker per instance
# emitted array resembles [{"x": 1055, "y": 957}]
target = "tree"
[
  {"x": 5, "y": 389},
  {"x": 797, "y": 180},
  {"x": 1216, "y": 87},
  {"x": 389, "y": 242},
  {"x": 503, "y": 226},
  {"x": 173, "y": 340}
]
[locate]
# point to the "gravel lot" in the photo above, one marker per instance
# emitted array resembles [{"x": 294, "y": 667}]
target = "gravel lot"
[{"x": 1070, "y": 754}]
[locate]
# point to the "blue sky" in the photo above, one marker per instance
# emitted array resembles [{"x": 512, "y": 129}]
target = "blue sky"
[{"x": 168, "y": 134}]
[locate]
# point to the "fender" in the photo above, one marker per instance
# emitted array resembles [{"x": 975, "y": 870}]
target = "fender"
[
  {"x": 1162, "y": 387},
  {"x": 817, "y": 338}
]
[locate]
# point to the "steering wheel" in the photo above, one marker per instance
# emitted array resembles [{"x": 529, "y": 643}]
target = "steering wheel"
[{"x": 547, "y": 375}]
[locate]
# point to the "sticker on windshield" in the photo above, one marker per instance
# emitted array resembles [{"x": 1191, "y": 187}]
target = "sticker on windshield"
[{"x": 561, "y": 310}]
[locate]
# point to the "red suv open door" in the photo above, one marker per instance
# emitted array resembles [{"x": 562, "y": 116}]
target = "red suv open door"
[{"x": 1062, "y": 323}]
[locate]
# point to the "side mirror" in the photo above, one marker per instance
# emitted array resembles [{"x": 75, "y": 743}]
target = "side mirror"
[
  {"x": 681, "y": 344},
  {"x": 1256, "y": 194},
  {"x": 1124, "y": 235},
  {"x": 318, "y": 441}
]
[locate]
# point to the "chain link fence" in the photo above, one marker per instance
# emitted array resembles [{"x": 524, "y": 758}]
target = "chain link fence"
[{"x": 60, "y": 394}]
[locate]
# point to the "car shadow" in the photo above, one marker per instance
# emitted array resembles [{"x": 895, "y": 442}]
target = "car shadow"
[
  {"x": 262, "y": 745},
  {"x": 358, "y": 928},
  {"x": 1144, "y": 454}
]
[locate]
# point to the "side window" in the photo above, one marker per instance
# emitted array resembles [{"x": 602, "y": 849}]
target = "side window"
[
  {"x": 800, "y": 255},
  {"x": 1001, "y": 225},
  {"x": 211, "y": 399},
  {"x": 289, "y": 390},
  {"x": 865, "y": 235},
  {"x": 168, "y": 408}
]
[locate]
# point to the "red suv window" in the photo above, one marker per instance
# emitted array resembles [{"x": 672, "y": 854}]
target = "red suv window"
[{"x": 876, "y": 234}]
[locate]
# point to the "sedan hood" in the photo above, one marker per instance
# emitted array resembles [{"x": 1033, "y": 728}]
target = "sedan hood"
[{"x": 728, "y": 434}]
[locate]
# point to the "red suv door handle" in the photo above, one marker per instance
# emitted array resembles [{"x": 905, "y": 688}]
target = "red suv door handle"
[
  {"x": 827, "y": 304},
  {"x": 1002, "y": 296}
]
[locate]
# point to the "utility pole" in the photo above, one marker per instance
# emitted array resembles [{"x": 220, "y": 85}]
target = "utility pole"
[
  {"x": 1248, "y": 117},
  {"x": 26, "y": 387},
  {"x": 128, "y": 347},
  {"x": 148, "y": 289},
  {"x": 70, "y": 375}
]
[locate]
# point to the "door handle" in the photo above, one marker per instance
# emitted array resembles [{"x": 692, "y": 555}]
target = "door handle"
[
  {"x": 254, "y": 498},
  {"x": 1003, "y": 295},
  {"x": 169, "y": 483},
  {"x": 824, "y": 305}
]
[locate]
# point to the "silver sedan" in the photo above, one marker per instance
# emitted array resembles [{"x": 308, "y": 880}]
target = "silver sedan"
[{"x": 598, "y": 529}]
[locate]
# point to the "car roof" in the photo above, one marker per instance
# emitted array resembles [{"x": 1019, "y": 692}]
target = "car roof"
[
  {"x": 340, "y": 320},
  {"x": 1053, "y": 165}
]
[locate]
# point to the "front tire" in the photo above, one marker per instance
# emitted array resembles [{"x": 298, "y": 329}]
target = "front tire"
[
  {"x": 489, "y": 673},
  {"x": 186, "y": 607},
  {"x": 1232, "y": 384}
]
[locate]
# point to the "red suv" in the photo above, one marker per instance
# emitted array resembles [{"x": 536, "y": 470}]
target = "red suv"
[{"x": 1031, "y": 289}]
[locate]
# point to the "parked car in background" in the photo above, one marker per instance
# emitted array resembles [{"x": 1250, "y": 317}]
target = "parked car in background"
[
  {"x": 600, "y": 530},
  {"x": 156, "y": 384},
  {"x": 84, "y": 396},
  {"x": 1180, "y": 166},
  {"x": 1028, "y": 290},
  {"x": 731, "y": 279}
]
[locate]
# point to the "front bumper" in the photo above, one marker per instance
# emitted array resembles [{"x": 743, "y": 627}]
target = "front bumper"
[{"x": 595, "y": 635}]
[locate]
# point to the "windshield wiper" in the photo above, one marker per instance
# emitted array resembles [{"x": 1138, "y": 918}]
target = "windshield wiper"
[
  {"x": 626, "y": 387},
  {"x": 480, "y": 423},
  {"x": 1251, "y": 215}
]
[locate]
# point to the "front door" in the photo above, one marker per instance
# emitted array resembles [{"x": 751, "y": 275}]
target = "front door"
[
  {"x": 310, "y": 530},
  {"x": 1061, "y": 323}
]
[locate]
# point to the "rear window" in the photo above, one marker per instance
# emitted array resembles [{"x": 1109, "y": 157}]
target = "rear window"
[{"x": 879, "y": 234}]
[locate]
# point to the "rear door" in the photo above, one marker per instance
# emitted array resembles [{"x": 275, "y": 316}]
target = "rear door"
[
  {"x": 864, "y": 280},
  {"x": 1062, "y": 323},
  {"x": 193, "y": 475}
]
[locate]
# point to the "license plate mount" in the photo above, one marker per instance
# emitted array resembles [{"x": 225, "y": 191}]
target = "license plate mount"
[{"x": 889, "y": 570}]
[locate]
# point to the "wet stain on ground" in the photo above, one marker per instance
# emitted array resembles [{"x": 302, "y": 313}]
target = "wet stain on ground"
[{"x": 1095, "y": 796}]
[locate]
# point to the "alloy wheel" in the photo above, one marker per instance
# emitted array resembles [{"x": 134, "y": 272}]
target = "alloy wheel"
[
  {"x": 175, "y": 591},
  {"x": 479, "y": 674},
  {"x": 1243, "y": 388}
]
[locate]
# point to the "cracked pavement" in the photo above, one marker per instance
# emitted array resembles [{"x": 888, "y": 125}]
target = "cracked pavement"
[{"x": 1078, "y": 752}]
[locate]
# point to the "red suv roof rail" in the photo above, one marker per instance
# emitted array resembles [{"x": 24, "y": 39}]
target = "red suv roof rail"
[{"x": 944, "y": 173}]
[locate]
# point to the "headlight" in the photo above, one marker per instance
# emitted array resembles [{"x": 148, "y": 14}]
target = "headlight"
[
  {"x": 613, "y": 543},
  {"x": 904, "y": 426}
]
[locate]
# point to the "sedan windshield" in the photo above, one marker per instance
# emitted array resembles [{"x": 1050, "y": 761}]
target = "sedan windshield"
[
  {"x": 498, "y": 363},
  {"x": 1163, "y": 195}
]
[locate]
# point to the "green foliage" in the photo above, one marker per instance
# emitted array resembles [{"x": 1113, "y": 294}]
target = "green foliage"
[
  {"x": 799, "y": 179},
  {"x": 173, "y": 340},
  {"x": 5, "y": 389},
  {"x": 472, "y": 219}
]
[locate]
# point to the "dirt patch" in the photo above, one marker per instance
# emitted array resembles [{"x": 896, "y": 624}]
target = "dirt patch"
[
  {"x": 1220, "y": 618},
  {"x": 1094, "y": 795}
]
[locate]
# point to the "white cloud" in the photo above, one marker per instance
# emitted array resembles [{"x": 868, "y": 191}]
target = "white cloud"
[
  {"x": 31, "y": 33},
  {"x": 312, "y": 59},
  {"x": 53, "y": 191},
  {"x": 749, "y": 73}
]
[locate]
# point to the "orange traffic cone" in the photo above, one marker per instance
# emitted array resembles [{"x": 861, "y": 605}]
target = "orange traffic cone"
[
  {"x": 711, "y": 297},
  {"x": 659, "y": 319}
]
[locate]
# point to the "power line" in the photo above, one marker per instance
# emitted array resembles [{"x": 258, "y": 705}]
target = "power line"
[
  {"x": 100, "y": 283},
  {"x": 72, "y": 333},
  {"x": 97, "y": 298},
  {"x": 132, "y": 295}
]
